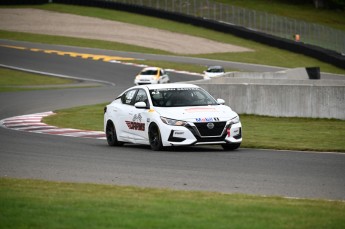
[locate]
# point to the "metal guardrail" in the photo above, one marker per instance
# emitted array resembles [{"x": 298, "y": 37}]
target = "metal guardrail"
[{"x": 283, "y": 27}]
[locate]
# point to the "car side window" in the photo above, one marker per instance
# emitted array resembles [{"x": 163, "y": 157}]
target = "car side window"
[
  {"x": 141, "y": 97},
  {"x": 128, "y": 96}
]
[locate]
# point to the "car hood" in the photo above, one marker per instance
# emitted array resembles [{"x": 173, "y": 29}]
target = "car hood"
[
  {"x": 146, "y": 77},
  {"x": 197, "y": 113},
  {"x": 210, "y": 74}
]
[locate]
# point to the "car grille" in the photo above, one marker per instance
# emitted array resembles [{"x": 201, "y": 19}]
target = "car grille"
[
  {"x": 211, "y": 139},
  {"x": 204, "y": 131}
]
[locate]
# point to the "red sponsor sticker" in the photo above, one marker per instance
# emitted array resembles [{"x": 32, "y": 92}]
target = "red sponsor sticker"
[{"x": 136, "y": 125}]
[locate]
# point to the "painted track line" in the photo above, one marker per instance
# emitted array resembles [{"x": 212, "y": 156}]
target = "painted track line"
[{"x": 33, "y": 123}]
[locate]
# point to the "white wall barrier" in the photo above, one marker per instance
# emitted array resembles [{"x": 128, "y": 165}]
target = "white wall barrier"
[{"x": 280, "y": 97}]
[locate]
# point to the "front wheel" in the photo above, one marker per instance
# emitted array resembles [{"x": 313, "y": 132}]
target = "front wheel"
[
  {"x": 110, "y": 133},
  {"x": 231, "y": 147},
  {"x": 155, "y": 138}
]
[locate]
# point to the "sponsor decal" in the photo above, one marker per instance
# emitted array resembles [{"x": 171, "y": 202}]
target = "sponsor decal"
[
  {"x": 157, "y": 91},
  {"x": 210, "y": 119},
  {"x": 137, "y": 118},
  {"x": 178, "y": 132},
  {"x": 136, "y": 125}
]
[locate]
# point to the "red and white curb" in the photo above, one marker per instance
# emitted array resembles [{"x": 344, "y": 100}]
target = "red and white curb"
[{"x": 33, "y": 123}]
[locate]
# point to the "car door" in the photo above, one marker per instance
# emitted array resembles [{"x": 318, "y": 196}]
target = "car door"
[
  {"x": 164, "y": 76},
  {"x": 139, "y": 118},
  {"x": 124, "y": 115}
]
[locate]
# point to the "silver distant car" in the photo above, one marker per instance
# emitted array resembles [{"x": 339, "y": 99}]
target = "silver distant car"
[{"x": 213, "y": 71}]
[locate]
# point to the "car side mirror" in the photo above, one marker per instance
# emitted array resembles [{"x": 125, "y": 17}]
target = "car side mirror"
[
  {"x": 140, "y": 105},
  {"x": 221, "y": 101}
]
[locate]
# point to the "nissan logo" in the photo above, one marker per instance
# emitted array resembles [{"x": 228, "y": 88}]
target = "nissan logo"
[{"x": 210, "y": 125}]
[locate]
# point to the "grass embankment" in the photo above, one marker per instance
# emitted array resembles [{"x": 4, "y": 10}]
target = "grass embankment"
[
  {"x": 12, "y": 80},
  {"x": 41, "y": 204},
  {"x": 258, "y": 131},
  {"x": 262, "y": 54}
]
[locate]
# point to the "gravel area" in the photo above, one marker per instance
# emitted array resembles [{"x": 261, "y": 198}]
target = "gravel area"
[{"x": 69, "y": 25}]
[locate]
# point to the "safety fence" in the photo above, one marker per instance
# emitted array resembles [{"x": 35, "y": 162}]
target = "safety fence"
[{"x": 283, "y": 27}]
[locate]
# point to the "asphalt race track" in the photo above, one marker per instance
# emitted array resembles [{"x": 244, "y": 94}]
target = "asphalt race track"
[{"x": 59, "y": 158}]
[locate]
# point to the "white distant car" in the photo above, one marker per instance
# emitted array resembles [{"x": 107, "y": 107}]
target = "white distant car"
[
  {"x": 213, "y": 71},
  {"x": 171, "y": 115},
  {"x": 151, "y": 75}
]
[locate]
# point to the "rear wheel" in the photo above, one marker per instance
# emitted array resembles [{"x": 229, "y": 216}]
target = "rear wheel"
[
  {"x": 110, "y": 133},
  {"x": 155, "y": 138},
  {"x": 230, "y": 147}
]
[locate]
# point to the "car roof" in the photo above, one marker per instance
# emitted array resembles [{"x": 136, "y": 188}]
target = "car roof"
[
  {"x": 213, "y": 67},
  {"x": 151, "y": 68},
  {"x": 170, "y": 85}
]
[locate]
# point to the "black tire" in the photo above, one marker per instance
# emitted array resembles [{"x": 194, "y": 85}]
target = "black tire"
[
  {"x": 155, "y": 138},
  {"x": 231, "y": 147},
  {"x": 110, "y": 133}
]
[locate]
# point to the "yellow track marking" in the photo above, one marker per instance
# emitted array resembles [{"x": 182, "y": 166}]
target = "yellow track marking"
[
  {"x": 13, "y": 47},
  {"x": 72, "y": 54}
]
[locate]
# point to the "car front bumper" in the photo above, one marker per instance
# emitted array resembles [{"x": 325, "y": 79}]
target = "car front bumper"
[
  {"x": 194, "y": 135},
  {"x": 142, "y": 82}
]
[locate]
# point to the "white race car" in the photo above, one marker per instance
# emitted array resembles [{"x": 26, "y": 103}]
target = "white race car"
[
  {"x": 213, "y": 71},
  {"x": 171, "y": 115},
  {"x": 151, "y": 75}
]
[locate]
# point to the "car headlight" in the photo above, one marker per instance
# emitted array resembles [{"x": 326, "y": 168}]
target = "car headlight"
[
  {"x": 173, "y": 122},
  {"x": 235, "y": 120}
]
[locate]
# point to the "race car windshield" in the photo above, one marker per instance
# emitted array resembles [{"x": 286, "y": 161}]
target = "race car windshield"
[
  {"x": 181, "y": 97},
  {"x": 215, "y": 70},
  {"x": 149, "y": 72}
]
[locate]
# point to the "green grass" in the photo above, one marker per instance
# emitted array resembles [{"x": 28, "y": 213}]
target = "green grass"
[
  {"x": 42, "y": 204},
  {"x": 293, "y": 133},
  {"x": 13, "y": 80},
  {"x": 262, "y": 54},
  {"x": 258, "y": 131},
  {"x": 92, "y": 117}
]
